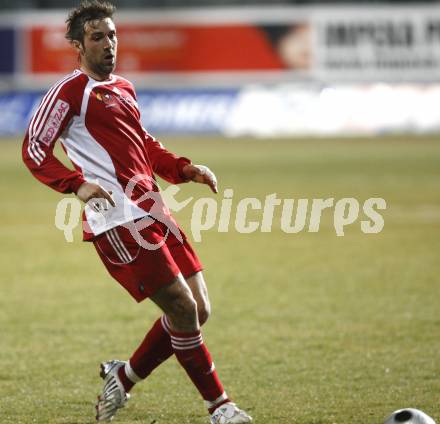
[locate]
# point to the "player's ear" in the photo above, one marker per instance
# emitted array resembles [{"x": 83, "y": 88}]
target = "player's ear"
[{"x": 77, "y": 45}]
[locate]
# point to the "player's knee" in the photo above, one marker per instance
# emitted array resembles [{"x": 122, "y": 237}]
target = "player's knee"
[
  {"x": 190, "y": 308},
  {"x": 204, "y": 312},
  {"x": 184, "y": 311}
]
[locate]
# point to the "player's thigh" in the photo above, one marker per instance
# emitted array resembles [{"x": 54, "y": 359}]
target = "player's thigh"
[{"x": 197, "y": 284}]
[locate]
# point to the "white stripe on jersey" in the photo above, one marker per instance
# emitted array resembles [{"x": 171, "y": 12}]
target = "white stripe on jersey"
[
  {"x": 40, "y": 116},
  {"x": 41, "y": 107},
  {"x": 46, "y": 106},
  {"x": 36, "y": 154},
  {"x": 33, "y": 151}
]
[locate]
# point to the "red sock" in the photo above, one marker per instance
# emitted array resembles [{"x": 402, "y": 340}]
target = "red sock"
[
  {"x": 194, "y": 356},
  {"x": 126, "y": 382},
  {"x": 154, "y": 349}
]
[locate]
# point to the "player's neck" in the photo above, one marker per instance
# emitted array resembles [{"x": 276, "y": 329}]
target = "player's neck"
[{"x": 94, "y": 75}]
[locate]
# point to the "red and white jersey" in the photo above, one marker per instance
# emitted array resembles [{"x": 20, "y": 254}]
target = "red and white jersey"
[{"x": 98, "y": 124}]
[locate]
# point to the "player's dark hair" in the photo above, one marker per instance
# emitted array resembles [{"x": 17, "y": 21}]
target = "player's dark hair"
[{"x": 88, "y": 10}]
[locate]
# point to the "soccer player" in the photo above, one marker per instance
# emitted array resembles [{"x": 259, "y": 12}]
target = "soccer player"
[{"x": 95, "y": 115}]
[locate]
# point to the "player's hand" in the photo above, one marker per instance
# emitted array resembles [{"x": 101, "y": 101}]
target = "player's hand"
[
  {"x": 95, "y": 196},
  {"x": 201, "y": 174}
]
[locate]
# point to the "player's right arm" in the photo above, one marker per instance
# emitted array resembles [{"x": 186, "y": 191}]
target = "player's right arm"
[
  {"x": 48, "y": 169},
  {"x": 55, "y": 111},
  {"x": 53, "y": 115}
]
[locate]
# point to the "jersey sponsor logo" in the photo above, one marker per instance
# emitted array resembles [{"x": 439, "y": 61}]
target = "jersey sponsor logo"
[
  {"x": 54, "y": 121},
  {"x": 106, "y": 98},
  {"x": 110, "y": 100}
]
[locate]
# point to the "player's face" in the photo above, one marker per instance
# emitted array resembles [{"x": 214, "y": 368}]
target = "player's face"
[{"x": 98, "y": 52}]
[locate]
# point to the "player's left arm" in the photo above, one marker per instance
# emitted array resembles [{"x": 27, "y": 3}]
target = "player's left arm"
[
  {"x": 176, "y": 169},
  {"x": 170, "y": 167}
]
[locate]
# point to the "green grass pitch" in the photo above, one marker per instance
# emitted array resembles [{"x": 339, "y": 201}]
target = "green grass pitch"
[{"x": 307, "y": 328}]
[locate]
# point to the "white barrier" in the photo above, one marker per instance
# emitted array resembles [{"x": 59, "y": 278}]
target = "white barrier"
[{"x": 336, "y": 110}]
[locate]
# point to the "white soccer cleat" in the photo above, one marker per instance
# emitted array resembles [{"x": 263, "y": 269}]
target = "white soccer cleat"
[
  {"x": 113, "y": 396},
  {"x": 228, "y": 413},
  {"x": 409, "y": 416}
]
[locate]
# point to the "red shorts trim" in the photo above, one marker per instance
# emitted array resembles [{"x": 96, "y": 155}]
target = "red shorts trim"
[{"x": 142, "y": 271}]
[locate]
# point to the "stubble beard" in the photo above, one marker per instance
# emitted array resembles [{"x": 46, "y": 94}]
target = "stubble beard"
[{"x": 102, "y": 69}]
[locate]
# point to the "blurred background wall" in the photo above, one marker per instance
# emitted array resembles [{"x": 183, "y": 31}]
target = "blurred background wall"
[
  {"x": 262, "y": 68},
  {"x": 53, "y": 4}
]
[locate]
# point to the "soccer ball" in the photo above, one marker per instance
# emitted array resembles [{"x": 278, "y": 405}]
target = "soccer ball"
[{"x": 409, "y": 416}]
